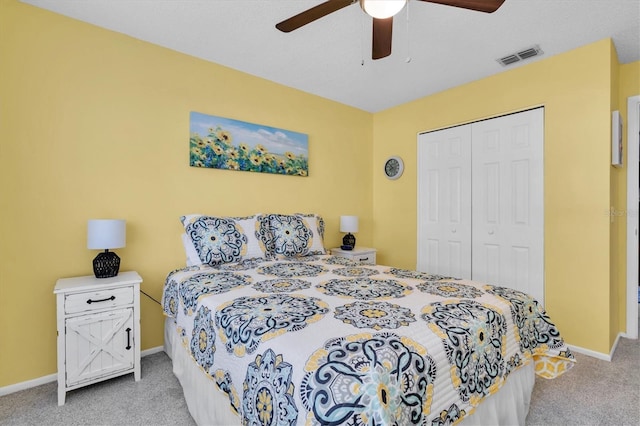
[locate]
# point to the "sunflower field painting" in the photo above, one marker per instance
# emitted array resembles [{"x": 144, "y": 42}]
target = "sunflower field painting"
[{"x": 224, "y": 143}]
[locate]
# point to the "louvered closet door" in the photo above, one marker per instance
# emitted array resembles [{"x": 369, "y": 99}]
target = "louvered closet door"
[
  {"x": 444, "y": 202},
  {"x": 507, "y": 197}
]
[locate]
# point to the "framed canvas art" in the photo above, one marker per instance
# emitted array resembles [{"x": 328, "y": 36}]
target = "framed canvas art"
[{"x": 224, "y": 143}]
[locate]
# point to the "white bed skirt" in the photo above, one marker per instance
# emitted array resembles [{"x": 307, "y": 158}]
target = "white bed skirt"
[{"x": 210, "y": 406}]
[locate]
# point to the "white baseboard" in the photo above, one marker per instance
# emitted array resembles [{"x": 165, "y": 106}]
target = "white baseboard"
[
  {"x": 6, "y": 390},
  {"x": 152, "y": 351},
  {"x": 598, "y": 355}
]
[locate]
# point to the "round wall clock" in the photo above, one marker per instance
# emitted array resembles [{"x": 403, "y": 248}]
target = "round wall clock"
[{"x": 393, "y": 167}]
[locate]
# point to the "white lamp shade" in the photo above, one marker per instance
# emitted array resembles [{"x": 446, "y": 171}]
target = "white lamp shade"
[
  {"x": 382, "y": 9},
  {"x": 104, "y": 234},
  {"x": 348, "y": 223}
]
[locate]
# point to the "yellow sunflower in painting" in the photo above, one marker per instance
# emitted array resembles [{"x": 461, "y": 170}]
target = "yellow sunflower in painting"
[
  {"x": 255, "y": 159},
  {"x": 289, "y": 155},
  {"x": 224, "y": 136},
  {"x": 233, "y": 153},
  {"x": 218, "y": 150}
]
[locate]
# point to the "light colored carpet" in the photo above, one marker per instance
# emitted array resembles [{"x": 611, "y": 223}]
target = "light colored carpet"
[
  {"x": 156, "y": 399},
  {"x": 594, "y": 392}
]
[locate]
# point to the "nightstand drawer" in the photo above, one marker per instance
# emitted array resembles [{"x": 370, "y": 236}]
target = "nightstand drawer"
[
  {"x": 99, "y": 299},
  {"x": 362, "y": 255},
  {"x": 368, "y": 258}
]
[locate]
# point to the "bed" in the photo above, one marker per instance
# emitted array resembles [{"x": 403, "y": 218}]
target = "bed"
[{"x": 265, "y": 327}]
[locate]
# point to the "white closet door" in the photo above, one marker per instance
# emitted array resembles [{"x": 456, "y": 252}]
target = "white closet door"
[
  {"x": 508, "y": 211},
  {"x": 444, "y": 202}
]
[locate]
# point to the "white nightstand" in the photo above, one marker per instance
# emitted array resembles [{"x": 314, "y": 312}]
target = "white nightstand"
[
  {"x": 364, "y": 255},
  {"x": 98, "y": 329}
]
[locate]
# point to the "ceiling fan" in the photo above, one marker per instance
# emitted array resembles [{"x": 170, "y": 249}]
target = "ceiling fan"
[{"x": 382, "y": 12}]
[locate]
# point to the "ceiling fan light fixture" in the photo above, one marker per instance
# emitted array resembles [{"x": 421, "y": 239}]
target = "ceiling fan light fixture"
[{"x": 382, "y": 9}]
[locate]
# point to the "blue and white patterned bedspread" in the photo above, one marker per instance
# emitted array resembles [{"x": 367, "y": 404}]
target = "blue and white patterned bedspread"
[{"x": 322, "y": 340}]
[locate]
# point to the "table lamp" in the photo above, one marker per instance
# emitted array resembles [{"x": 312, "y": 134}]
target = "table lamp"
[
  {"x": 106, "y": 234},
  {"x": 348, "y": 224}
]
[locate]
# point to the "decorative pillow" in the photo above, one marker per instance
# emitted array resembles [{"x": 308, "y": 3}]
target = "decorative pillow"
[
  {"x": 219, "y": 240},
  {"x": 295, "y": 235},
  {"x": 190, "y": 251},
  {"x": 316, "y": 224}
]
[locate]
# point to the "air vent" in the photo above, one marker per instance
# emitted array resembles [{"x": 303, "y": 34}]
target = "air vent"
[
  {"x": 508, "y": 60},
  {"x": 520, "y": 56}
]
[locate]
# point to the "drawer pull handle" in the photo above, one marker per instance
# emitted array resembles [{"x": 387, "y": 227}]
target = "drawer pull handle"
[
  {"x": 128, "y": 338},
  {"x": 101, "y": 300},
  {"x": 362, "y": 259}
]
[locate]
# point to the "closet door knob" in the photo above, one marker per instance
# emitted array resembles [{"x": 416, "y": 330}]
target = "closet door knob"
[{"x": 490, "y": 232}]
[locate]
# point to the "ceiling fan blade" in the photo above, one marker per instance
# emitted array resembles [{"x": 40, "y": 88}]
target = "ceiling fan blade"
[
  {"x": 382, "y": 29},
  {"x": 310, "y": 15},
  {"x": 487, "y": 6}
]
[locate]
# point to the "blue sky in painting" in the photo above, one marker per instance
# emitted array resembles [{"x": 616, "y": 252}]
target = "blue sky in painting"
[{"x": 276, "y": 141}]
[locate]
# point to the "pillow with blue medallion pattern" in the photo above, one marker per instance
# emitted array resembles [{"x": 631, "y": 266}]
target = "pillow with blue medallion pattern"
[
  {"x": 295, "y": 235},
  {"x": 316, "y": 224},
  {"x": 219, "y": 240}
]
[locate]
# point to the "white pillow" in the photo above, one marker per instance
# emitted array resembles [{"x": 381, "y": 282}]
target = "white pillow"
[{"x": 190, "y": 251}]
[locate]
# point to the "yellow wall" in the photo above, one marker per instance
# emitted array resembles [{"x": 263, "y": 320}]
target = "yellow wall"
[
  {"x": 96, "y": 124},
  {"x": 575, "y": 90}
]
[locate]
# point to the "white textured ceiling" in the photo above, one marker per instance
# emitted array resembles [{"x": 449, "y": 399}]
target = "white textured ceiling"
[{"x": 331, "y": 57}]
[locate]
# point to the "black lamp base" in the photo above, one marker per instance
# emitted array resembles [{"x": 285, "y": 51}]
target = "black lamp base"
[
  {"x": 349, "y": 240},
  {"x": 106, "y": 264}
]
